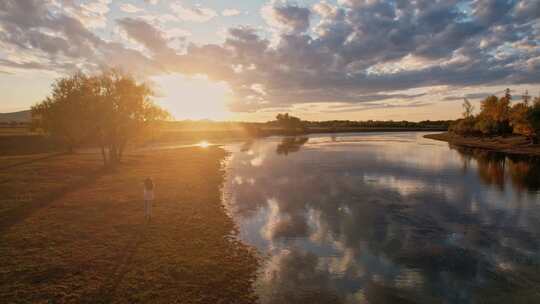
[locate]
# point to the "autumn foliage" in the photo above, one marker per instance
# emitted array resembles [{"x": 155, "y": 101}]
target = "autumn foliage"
[{"x": 500, "y": 116}]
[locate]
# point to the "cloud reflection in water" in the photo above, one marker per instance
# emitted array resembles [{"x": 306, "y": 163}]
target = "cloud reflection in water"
[{"x": 387, "y": 218}]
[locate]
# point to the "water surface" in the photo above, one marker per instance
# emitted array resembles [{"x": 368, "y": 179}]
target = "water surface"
[{"x": 387, "y": 218}]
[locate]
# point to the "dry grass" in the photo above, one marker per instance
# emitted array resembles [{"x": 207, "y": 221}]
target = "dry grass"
[
  {"x": 10, "y": 131},
  {"x": 82, "y": 237}
]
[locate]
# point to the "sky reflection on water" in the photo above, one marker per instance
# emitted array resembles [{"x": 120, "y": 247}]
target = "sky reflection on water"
[{"x": 387, "y": 218}]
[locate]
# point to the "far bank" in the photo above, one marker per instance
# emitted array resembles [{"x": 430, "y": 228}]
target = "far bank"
[{"x": 513, "y": 144}]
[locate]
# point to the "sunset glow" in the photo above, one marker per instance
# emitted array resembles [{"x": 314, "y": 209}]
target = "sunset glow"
[
  {"x": 249, "y": 60},
  {"x": 193, "y": 97},
  {"x": 270, "y": 151}
]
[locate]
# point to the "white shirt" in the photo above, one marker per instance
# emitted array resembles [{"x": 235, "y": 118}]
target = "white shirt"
[{"x": 148, "y": 195}]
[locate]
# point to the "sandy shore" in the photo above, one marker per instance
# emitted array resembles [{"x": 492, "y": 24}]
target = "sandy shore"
[
  {"x": 511, "y": 144},
  {"x": 72, "y": 233}
]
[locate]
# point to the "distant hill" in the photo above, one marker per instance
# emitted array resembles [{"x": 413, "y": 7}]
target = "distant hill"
[{"x": 21, "y": 116}]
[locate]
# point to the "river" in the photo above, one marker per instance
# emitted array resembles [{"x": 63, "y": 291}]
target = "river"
[{"x": 386, "y": 218}]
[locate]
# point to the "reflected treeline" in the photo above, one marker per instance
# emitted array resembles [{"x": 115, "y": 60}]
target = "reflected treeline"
[
  {"x": 291, "y": 145},
  {"x": 339, "y": 229},
  {"x": 497, "y": 168}
]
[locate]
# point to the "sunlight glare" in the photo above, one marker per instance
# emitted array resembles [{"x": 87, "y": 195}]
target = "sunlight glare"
[
  {"x": 203, "y": 144},
  {"x": 194, "y": 97}
]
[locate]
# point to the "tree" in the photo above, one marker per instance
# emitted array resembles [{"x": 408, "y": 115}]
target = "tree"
[
  {"x": 497, "y": 117},
  {"x": 526, "y": 98},
  {"x": 288, "y": 122},
  {"x": 65, "y": 113},
  {"x": 125, "y": 111},
  {"x": 494, "y": 115},
  {"x": 534, "y": 119},
  {"x": 507, "y": 94},
  {"x": 111, "y": 108},
  {"x": 468, "y": 109},
  {"x": 466, "y": 125},
  {"x": 519, "y": 120}
]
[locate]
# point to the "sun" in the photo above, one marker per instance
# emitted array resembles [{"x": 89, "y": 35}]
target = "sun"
[{"x": 193, "y": 97}]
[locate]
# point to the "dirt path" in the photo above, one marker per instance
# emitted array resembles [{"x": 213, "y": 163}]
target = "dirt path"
[{"x": 91, "y": 244}]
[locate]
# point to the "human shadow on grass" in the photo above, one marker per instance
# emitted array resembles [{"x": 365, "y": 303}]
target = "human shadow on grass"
[
  {"x": 33, "y": 160},
  {"x": 18, "y": 214},
  {"x": 13, "y": 145},
  {"x": 107, "y": 291}
]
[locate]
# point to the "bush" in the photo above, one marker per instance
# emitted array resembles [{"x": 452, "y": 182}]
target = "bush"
[
  {"x": 486, "y": 126},
  {"x": 465, "y": 126}
]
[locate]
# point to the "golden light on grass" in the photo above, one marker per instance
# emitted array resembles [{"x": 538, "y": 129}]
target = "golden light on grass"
[{"x": 105, "y": 201}]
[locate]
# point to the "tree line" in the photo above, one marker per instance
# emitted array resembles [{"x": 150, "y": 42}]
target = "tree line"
[
  {"x": 379, "y": 124},
  {"x": 109, "y": 109},
  {"x": 498, "y": 116},
  {"x": 289, "y": 122}
]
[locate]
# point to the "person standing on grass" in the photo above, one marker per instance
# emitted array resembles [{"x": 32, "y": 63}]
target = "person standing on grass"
[{"x": 148, "y": 198}]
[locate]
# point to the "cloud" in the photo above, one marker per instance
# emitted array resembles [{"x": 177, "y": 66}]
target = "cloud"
[
  {"x": 144, "y": 33},
  {"x": 37, "y": 36},
  {"x": 195, "y": 14},
  {"x": 153, "y": 2},
  {"x": 385, "y": 183},
  {"x": 353, "y": 52},
  {"x": 230, "y": 12},
  {"x": 294, "y": 276},
  {"x": 469, "y": 96},
  {"x": 92, "y": 14},
  {"x": 325, "y": 10},
  {"x": 527, "y": 10},
  {"x": 130, "y": 8},
  {"x": 290, "y": 18},
  {"x": 362, "y": 48}
]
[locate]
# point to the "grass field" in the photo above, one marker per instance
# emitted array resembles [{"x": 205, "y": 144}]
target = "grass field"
[
  {"x": 71, "y": 232},
  {"x": 10, "y": 131}
]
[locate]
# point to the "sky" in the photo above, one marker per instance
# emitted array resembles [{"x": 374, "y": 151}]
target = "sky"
[{"x": 249, "y": 60}]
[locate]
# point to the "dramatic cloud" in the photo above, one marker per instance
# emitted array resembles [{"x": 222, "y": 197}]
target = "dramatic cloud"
[
  {"x": 353, "y": 53},
  {"x": 36, "y": 36},
  {"x": 291, "y": 18}
]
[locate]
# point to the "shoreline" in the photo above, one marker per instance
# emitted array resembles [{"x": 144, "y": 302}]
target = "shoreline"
[
  {"x": 27, "y": 144},
  {"x": 79, "y": 235},
  {"x": 516, "y": 145}
]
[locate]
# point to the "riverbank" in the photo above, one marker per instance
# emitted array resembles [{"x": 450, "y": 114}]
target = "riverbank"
[
  {"x": 73, "y": 233},
  {"x": 511, "y": 144},
  {"x": 29, "y": 143}
]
